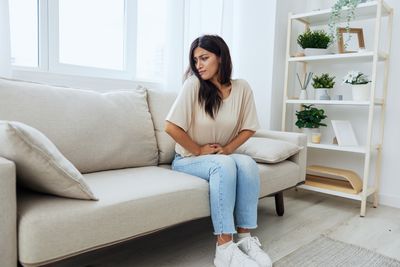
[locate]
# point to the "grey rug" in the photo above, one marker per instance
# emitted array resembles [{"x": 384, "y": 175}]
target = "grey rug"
[{"x": 327, "y": 252}]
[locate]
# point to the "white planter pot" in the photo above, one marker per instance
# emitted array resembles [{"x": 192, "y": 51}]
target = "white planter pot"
[
  {"x": 313, "y": 135},
  {"x": 322, "y": 94},
  {"x": 360, "y": 92},
  {"x": 315, "y": 51}
]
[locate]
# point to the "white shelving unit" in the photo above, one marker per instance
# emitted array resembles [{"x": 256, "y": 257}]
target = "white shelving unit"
[{"x": 370, "y": 10}]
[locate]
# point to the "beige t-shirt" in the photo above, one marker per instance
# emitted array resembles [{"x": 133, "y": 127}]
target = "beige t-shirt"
[{"x": 236, "y": 113}]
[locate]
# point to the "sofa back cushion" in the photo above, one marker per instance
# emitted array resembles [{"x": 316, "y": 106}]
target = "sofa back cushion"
[
  {"x": 160, "y": 103},
  {"x": 94, "y": 131}
]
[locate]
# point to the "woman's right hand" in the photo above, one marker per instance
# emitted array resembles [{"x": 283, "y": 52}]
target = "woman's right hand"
[{"x": 208, "y": 149}]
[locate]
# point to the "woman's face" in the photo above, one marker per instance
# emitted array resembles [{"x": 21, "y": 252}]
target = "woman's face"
[{"x": 207, "y": 63}]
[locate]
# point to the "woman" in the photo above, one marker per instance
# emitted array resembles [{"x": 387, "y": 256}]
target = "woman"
[{"x": 212, "y": 116}]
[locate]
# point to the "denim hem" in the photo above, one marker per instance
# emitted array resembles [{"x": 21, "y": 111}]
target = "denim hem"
[
  {"x": 225, "y": 233},
  {"x": 247, "y": 227}
]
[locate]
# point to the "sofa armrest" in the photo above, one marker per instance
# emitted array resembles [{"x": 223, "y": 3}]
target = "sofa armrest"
[
  {"x": 295, "y": 138},
  {"x": 8, "y": 211}
]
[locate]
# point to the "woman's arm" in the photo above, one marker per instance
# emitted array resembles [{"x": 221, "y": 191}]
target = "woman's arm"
[
  {"x": 235, "y": 143},
  {"x": 182, "y": 138}
]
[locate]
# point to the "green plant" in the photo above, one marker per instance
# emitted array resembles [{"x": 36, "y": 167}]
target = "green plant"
[
  {"x": 323, "y": 81},
  {"x": 314, "y": 39},
  {"x": 356, "y": 77},
  {"x": 341, "y": 9},
  {"x": 310, "y": 117}
]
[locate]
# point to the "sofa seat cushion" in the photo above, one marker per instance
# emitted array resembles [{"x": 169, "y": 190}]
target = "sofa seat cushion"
[
  {"x": 94, "y": 131},
  {"x": 278, "y": 176},
  {"x": 131, "y": 202}
]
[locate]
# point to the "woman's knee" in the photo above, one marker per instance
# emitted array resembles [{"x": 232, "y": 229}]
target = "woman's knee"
[
  {"x": 225, "y": 164},
  {"x": 245, "y": 163}
]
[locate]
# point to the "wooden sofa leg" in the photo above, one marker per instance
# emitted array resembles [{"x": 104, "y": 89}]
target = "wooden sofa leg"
[{"x": 279, "y": 206}]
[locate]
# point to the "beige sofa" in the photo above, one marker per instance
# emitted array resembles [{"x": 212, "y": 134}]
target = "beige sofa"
[{"x": 116, "y": 140}]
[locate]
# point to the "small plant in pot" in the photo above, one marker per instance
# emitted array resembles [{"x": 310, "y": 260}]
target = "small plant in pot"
[
  {"x": 314, "y": 42},
  {"x": 309, "y": 119},
  {"x": 342, "y": 10},
  {"x": 360, "y": 87},
  {"x": 322, "y": 84}
]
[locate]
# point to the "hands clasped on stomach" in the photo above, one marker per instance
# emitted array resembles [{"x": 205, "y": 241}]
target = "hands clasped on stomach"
[{"x": 214, "y": 149}]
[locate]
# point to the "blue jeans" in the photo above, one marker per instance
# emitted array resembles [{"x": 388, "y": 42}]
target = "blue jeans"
[{"x": 234, "y": 183}]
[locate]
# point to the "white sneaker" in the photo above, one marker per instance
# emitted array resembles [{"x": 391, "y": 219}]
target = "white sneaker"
[
  {"x": 252, "y": 247},
  {"x": 232, "y": 256}
]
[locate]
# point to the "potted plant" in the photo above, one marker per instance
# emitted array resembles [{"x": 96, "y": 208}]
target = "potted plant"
[
  {"x": 342, "y": 9},
  {"x": 360, "y": 87},
  {"x": 314, "y": 42},
  {"x": 309, "y": 120},
  {"x": 322, "y": 84}
]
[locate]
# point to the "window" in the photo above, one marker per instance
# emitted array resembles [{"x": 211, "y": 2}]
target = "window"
[
  {"x": 101, "y": 38},
  {"x": 24, "y": 32},
  {"x": 92, "y": 37}
]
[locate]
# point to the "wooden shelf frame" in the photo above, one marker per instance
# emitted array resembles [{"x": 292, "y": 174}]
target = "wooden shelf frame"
[{"x": 370, "y": 10}]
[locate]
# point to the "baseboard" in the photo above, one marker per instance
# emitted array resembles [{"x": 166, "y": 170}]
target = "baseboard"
[{"x": 389, "y": 200}]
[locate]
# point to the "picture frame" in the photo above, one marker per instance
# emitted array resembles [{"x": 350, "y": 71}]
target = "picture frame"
[
  {"x": 354, "y": 38},
  {"x": 344, "y": 133}
]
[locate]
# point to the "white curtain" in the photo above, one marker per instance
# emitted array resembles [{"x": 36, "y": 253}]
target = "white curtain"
[
  {"x": 207, "y": 17},
  {"x": 174, "y": 46},
  {"x": 5, "y": 50}
]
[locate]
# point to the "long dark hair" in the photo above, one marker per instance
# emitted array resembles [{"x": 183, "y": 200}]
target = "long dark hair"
[{"x": 209, "y": 97}]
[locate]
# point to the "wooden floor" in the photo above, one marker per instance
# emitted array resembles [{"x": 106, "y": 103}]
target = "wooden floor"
[{"x": 307, "y": 216}]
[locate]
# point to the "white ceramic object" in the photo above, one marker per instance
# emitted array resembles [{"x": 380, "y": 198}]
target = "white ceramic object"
[
  {"x": 322, "y": 94},
  {"x": 360, "y": 92},
  {"x": 315, "y": 51},
  {"x": 310, "y": 132},
  {"x": 303, "y": 95}
]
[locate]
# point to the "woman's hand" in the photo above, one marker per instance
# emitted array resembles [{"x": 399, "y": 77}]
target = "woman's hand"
[
  {"x": 222, "y": 149},
  {"x": 208, "y": 149}
]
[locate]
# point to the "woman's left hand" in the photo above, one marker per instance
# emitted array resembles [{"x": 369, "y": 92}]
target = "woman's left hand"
[{"x": 222, "y": 149}]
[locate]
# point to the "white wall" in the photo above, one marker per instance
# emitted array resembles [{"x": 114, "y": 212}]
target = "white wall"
[
  {"x": 390, "y": 184},
  {"x": 5, "y": 54}
]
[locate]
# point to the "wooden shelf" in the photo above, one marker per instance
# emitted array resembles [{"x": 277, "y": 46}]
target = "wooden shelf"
[
  {"x": 378, "y": 101},
  {"x": 321, "y": 17},
  {"x": 359, "y": 57}
]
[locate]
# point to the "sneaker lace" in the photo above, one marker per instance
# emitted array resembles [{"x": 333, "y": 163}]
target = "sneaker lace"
[{"x": 253, "y": 243}]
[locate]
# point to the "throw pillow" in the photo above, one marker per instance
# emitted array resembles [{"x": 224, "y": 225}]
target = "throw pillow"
[
  {"x": 266, "y": 150},
  {"x": 40, "y": 165}
]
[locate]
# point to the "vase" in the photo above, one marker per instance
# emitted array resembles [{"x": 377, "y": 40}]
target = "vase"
[
  {"x": 360, "y": 92},
  {"x": 303, "y": 94},
  {"x": 315, "y": 51},
  {"x": 313, "y": 134},
  {"x": 322, "y": 94}
]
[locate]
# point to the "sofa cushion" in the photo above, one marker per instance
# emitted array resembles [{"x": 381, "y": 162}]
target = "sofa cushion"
[
  {"x": 131, "y": 202},
  {"x": 40, "y": 166},
  {"x": 160, "y": 102},
  {"x": 266, "y": 150},
  {"x": 95, "y": 131}
]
